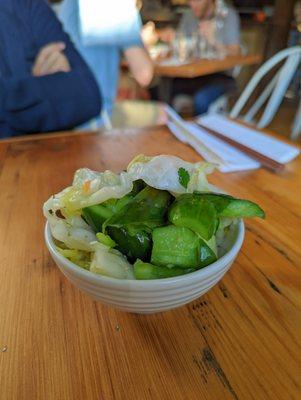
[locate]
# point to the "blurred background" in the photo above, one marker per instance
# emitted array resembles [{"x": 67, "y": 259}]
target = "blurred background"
[{"x": 267, "y": 26}]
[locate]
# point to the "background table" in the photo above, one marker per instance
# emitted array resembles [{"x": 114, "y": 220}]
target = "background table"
[
  {"x": 203, "y": 67},
  {"x": 198, "y": 68},
  {"x": 239, "y": 341}
]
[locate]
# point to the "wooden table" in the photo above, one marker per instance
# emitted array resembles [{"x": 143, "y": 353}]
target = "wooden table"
[
  {"x": 194, "y": 69},
  {"x": 198, "y": 68},
  {"x": 205, "y": 67},
  {"x": 239, "y": 341}
]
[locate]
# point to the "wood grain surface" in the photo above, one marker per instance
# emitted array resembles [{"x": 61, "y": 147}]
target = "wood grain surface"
[
  {"x": 205, "y": 67},
  {"x": 239, "y": 341}
]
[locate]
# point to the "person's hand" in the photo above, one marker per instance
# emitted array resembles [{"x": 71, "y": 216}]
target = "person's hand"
[
  {"x": 50, "y": 60},
  {"x": 149, "y": 34},
  {"x": 207, "y": 30}
]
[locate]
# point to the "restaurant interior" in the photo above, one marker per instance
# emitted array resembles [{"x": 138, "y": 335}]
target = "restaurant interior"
[
  {"x": 266, "y": 27},
  {"x": 150, "y": 208}
]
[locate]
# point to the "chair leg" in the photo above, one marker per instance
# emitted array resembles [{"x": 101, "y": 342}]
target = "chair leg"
[{"x": 296, "y": 127}]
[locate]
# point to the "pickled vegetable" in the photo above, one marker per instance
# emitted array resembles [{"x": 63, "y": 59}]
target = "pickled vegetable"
[
  {"x": 198, "y": 214},
  {"x": 144, "y": 270},
  {"x": 175, "y": 246}
]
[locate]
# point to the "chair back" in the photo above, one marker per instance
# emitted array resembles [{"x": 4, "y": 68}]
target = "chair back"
[{"x": 275, "y": 90}]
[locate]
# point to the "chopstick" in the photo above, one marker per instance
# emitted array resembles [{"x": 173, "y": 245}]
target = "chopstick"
[{"x": 265, "y": 161}]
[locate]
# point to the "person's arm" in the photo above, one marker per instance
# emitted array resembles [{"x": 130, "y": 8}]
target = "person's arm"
[
  {"x": 207, "y": 30},
  {"x": 149, "y": 34},
  {"x": 138, "y": 58},
  {"x": 51, "y": 59},
  {"x": 231, "y": 34},
  {"x": 140, "y": 64},
  {"x": 57, "y": 101}
]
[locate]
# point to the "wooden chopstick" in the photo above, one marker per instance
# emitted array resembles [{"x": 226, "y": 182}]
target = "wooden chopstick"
[{"x": 265, "y": 161}]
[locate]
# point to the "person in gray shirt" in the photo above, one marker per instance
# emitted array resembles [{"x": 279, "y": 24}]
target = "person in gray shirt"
[{"x": 200, "y": 18}]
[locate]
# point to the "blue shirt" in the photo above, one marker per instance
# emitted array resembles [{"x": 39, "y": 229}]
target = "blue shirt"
[
  {"x": 103, "y": 59},
  {"x": 39, "y": 104}
]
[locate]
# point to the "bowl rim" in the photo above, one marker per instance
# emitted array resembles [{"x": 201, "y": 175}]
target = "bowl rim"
[{"x": 200, "y": 274}]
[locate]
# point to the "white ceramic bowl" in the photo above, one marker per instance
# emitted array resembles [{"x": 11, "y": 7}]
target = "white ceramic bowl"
[{"x": 149, "y": 296}]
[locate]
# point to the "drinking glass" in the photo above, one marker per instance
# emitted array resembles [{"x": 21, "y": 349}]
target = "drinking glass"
[{"x": 184, "y": 47}]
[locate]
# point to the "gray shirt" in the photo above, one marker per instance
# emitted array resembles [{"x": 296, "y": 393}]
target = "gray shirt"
[{"x": 230, "y": 33}]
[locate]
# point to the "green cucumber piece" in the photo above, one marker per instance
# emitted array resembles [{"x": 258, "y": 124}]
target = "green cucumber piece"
[
  {"x": 191, "y": 211},
  {"x": 132, "y": 243},
  {"x": 145, "y": 271},
  {"x": 175, "y": 246}
]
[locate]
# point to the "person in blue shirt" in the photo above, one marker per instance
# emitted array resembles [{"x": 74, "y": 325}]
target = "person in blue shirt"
[
  {"x": 45, "y": 85},
  {"x": 104, "y": 57}
]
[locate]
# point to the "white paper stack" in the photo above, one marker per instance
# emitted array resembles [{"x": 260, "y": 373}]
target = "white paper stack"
[
  {"x": 226, "y": 157},
  {"x": 251, "y": 137},
  {"x": 231, "y": 159}
]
